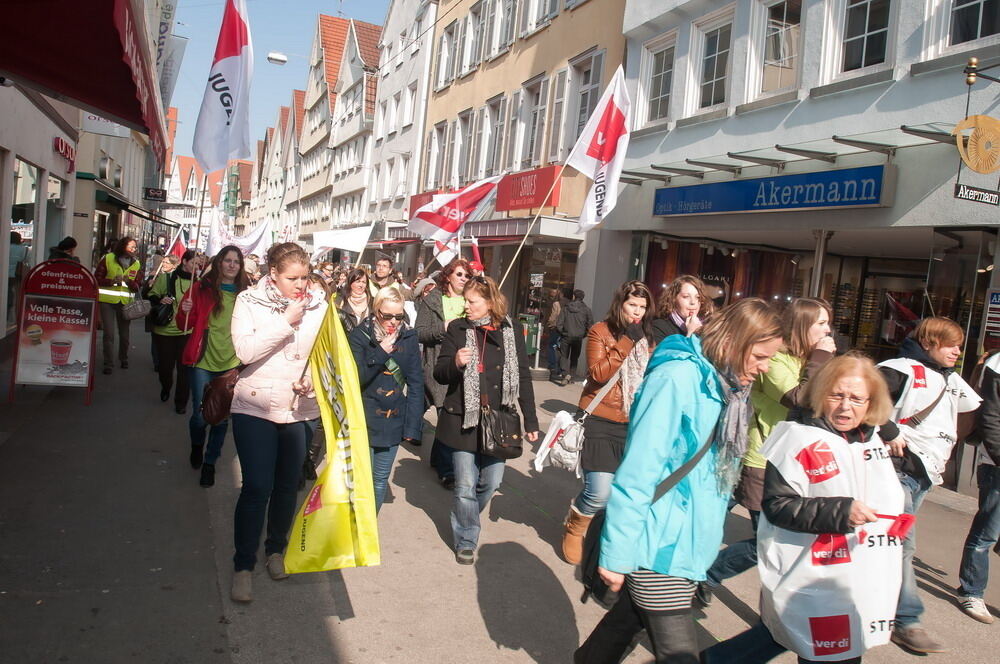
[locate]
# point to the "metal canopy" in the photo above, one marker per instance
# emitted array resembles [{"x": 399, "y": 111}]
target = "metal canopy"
[
  {"x": 646, "y": 176},
  {"x": 827, "y": 149}
]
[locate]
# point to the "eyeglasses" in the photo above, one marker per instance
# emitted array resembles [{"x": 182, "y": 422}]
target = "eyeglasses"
[
  {"x": 397, "y": 317},
  {"x": 479, "y": 279},
  {"x": 854, "y": 401}
]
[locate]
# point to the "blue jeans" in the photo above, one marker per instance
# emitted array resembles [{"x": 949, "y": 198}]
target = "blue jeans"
[
  {"x": 736, "y": 558},
  {"x": 441, "y": 459},
  {"x": 974, "y": 572},
  {"x": 910, "y": 608},
  {"x": 595, "y": 494},
  {"x": 382, "y": 458},
  {"x": 198, "y": 379},
  {"x": 271, "y": 457},
  {"x": 553, "y": 350},
  {"x": 477, "y": 477}
]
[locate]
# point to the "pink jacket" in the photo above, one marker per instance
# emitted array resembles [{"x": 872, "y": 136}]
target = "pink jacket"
[{"x": 275, "y": 355}]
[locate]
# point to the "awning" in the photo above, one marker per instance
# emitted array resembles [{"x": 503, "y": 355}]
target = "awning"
[{"x": 90, "y": 54}]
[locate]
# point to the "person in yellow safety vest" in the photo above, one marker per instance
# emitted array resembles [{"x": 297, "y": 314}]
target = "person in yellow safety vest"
[{"x": 117, "y": 277}]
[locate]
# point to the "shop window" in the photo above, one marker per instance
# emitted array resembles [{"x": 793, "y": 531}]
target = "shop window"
[
  {"x": 866, "y": 33},
  {"x": 715, "y": 66},
  {"x": 974, "y": 19},
  {"x": 782, "y": 46},
  {"x": 22, "y": 226}
]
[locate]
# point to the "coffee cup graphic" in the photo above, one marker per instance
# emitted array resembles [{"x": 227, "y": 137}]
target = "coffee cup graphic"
[{"x": 60, "y": 351}]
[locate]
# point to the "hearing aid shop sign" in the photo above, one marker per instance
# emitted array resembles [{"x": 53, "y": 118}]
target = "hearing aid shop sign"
[{"x": 866, "y": 186}]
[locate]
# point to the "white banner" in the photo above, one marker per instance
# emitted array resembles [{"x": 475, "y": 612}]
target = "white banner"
[
  {"x": 95, "y": 124},
  {"x": 172, "y": 56},
  {"x": 352, "y": 239},
  {"x": 257, "y": 241}
]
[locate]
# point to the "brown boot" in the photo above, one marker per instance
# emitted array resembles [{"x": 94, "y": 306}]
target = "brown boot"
[{"x": 576, "y": 527}]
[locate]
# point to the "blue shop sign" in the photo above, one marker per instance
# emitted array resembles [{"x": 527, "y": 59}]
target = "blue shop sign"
[{"x": 866, "y": 186}]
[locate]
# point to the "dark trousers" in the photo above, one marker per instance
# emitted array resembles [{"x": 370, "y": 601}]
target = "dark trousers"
[
  {"x": 441, "y": 457},
  {"x": 553, "y": 351},
  {"x": 271, "y": 457},
  {"x": 169, "y": 349},
  {"x": 569, "y": 355},
  {"x": 671, "y": 633},
  {"x": 754, "y": 646},
  {"x": 113, "y": 319}
]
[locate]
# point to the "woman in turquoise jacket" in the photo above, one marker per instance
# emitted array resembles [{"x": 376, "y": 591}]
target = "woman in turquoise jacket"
[{"x": 696, "y": 391}]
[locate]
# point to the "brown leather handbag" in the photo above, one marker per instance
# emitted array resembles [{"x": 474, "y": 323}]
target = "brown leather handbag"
[{"x": 218, "y": 397}]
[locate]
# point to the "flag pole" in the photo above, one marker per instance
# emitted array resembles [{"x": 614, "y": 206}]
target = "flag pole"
[
  {"x": 510, "y": 265},
  {"x": 201, "y": 208}
]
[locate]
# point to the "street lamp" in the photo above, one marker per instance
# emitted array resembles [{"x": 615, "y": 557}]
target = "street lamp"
[{"x": 277, "y": 58}]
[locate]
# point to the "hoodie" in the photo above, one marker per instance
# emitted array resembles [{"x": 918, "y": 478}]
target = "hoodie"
[{"x": 575, "y": 320}]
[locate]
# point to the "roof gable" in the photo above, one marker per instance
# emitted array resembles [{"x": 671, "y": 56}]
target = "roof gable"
[{"x": 333, "y": 38}]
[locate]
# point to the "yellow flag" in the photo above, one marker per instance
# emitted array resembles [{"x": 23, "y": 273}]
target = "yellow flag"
[{"x": 336, "y": 525}]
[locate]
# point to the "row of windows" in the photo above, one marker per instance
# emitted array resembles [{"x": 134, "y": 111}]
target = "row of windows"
[
  {"x": 865, "y": 38},
  {"x": 346, "y": 210},
  {"x": 349, "y": 157},
  {"x": 408, "y": 43},
  {"x": 396, "y": 113},
  {"x": 389, "y": 180},
  {"x": 537, "y": 123}
]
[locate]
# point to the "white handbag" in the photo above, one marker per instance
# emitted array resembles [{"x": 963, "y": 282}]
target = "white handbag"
[{"x": 563, "y": 441}]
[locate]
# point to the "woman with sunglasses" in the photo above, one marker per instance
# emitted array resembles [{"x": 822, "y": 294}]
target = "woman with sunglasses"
[
  {"x": 482, "y": 360},
  {"x": 434, "y": 312},
  {"x": 392, "y": 382}
]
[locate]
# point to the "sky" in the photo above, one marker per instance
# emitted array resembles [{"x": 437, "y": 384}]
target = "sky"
[{"x": 287, "y": 26}]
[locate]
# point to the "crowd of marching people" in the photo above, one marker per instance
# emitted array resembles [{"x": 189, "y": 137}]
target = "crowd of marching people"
[{"x": 687, "y": 409}]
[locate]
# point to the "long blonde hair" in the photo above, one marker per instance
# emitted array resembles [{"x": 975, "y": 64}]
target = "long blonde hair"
[{"x": 727, "y": 338}]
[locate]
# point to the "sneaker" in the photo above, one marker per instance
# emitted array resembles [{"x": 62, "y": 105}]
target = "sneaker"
[
  {"x": 207, "y": 475},
  {"x": 916, "y": 639},
  {"x": 703, "y": 593},
  {"x": 465, "y": 556},
  {"x": 196, "y": 456},
  {"x": 276, "y": 567},
  {"x": 975, "y": 607},
  {"x": 242, "y": 584}
]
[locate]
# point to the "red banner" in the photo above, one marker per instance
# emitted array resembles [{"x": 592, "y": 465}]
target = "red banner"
[{"x": 522, "y": 191}]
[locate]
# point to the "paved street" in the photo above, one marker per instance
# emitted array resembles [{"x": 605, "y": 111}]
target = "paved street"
[{"x": 112, "y": 553}]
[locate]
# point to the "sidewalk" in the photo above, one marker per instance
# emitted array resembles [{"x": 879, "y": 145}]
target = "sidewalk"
[{"x": 113, "y": 553}]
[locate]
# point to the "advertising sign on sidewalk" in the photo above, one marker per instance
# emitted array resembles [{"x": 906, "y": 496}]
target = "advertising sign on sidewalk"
[{"x": 56, "y": 327}]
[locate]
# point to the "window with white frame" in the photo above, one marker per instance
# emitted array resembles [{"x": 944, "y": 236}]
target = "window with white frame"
[
  {"x": 866, "y": 33},
  {"x": 409, "y": 104},
  {"x": 387, "y": 184},
  {"x": 535, "y": 100},
  {"x": 585, "y": 76},
  {"x": 537, "y": 13},
  {"x": 380, "y": 120},
  {"x": 474, "y": 28},
  {"x": 715, "y": 66},
  {"x": 402, "y": 47},
  {"x": 557, "y": 116},
  {"x": 394, "y": 112},
  {"x": 496, "y": 113},
  {"x": 446, "y": 47},
  {"x": 514, "y": 124},
  {"x": 507, "y": 20},
  {"x": 465, "y": 134},
  {"x": 404, "y": 170},
  {"x": 782, "y": 45},
  {"x": 482, "y": 124},
  {"x": 489, "y": 23},
  {"x": 658, "y": 57},
  {"x": 387, "y": 53},
  {"x": 374, "y": 186},
  {"x": 415, "y": 35},
  {"x": 448, "y": 179},
  {"x": 458, "y": 61},
  {"x": 974, "y": 19}
]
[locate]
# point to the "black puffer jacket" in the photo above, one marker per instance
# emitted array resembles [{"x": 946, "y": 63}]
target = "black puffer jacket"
[{"x": 785, "y": 508}]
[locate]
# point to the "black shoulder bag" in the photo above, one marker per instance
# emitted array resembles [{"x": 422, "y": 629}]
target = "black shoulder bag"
[
  {"x": 499, "y": 434},
  {"x": 164, "y": 313},
  {"x": 593, "y": 584}
]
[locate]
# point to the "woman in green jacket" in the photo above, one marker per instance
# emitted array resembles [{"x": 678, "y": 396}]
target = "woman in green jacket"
[
  {"x": 170, "y": 339},
  {"x": 808, "y": 346}
]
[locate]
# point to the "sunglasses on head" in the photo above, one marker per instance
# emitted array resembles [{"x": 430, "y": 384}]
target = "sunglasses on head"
[
  {"x": 479, "y": 279},
  {"x": 398, "y": 317}
]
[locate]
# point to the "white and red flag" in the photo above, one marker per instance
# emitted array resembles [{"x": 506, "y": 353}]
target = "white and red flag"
[
  {"x": 223, "y": 129},
  {"x": 446, "y": 252},
  {"x": 445, "y": 215},
  {"x": 179, "y": 246},
  {"x": 599, "y": 153}
]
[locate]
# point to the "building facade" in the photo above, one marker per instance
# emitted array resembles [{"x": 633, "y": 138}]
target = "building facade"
[{"x": 784, "y": 148}]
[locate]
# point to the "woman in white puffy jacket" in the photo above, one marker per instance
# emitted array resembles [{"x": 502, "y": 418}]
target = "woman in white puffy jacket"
[{"x": 274, "y": 409}]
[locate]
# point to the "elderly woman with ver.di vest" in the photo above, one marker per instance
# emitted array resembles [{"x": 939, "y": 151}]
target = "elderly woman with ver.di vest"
[
  {"x": 392, "y": 382},
  {"x": 482, "y": 361}
]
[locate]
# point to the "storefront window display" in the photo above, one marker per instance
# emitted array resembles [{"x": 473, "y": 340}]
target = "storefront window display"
[{"x": 22, "y": 232}]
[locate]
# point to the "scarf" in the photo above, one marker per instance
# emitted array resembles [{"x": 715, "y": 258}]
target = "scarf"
[
  {"x": 268, "y": 295},
  {"x": 471, "y": 378},
  {"x": 391, "y": 364},
  {"x": 731, "y": 432},
  {"x": 633, "y": 371}
]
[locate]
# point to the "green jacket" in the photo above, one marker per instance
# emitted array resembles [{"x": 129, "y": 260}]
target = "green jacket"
[{"x": 182, "y": 282}]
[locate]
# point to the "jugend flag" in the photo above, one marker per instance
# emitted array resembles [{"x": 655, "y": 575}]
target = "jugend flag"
[
  {"x": 599, "y": 153},
  {"x": 223, "y": 129},
  {"x": 444, "y": 216}
]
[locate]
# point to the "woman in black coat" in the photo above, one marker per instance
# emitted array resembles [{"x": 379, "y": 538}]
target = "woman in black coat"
[
  {"x": 392, "y": 382},
  {"x": 482, "y": 359},
  {"x": 683, "y": 308}
]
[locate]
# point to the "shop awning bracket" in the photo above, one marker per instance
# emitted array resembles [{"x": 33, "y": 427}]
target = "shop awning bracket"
[
  {"x": 636, "y": 181},
  {"x": 688, "y": 172},
  {"x": 646, "y": 176},
  {"x": 763, "y": 161},
  {"x": 718, "y": 166},
  {"x": 830, "y": 157},
  {"x": 870, "y": 146},
  {"x": 931, "y": 134}
]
